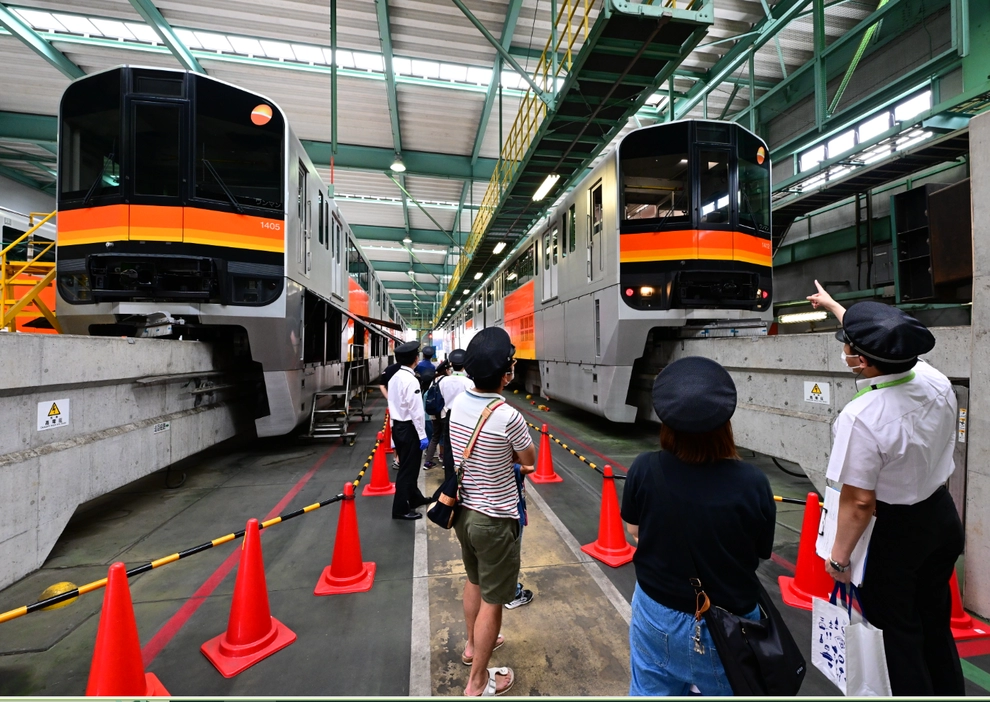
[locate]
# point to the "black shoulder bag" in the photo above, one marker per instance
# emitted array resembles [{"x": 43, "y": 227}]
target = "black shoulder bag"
[
  {"x": 446, "y": 500},
  {"x": 760, "y": 657}
]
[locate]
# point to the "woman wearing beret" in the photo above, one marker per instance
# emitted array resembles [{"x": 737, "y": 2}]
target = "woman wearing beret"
[{"x": 695, "y": 510}]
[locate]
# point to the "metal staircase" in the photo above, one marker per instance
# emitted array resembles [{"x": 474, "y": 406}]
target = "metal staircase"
[{"x": 334, "y": 409}]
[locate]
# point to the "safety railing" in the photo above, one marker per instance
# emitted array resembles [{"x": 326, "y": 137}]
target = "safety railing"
[
  {"x": 570, "y": 25},
  {"x": 65, "y": 597},
  {"x": 32, "y": 273}
]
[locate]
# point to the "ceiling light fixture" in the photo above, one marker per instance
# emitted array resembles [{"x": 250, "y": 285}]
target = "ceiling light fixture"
[
  {"x": 477, "y": 276},
  {"x": 406, "y": 240},
  {"x": 545, "y": 187},
  {"x": 397, "y": 165},
  {"x": 499, "y": 247}
]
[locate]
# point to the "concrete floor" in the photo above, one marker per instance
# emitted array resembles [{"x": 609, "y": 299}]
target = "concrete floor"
[{"x": 403, "y": 637}]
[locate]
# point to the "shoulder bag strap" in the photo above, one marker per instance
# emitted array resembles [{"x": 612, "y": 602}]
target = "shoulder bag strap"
[
  {"x": 702, "y": 601},
  {"x": 485, "y": 414}
]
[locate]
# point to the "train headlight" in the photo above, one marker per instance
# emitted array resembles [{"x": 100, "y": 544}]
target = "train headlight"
[{"x": 646, "y": 291}]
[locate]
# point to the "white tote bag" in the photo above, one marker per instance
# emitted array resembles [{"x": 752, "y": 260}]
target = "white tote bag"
[
  {"x": 826, "y": 536},
  {"x": 847, "y": 649}
]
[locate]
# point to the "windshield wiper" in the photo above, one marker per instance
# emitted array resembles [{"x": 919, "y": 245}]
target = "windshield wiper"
[
  {"x": 223, "y": 186},
  {"x": 99, "y": 178}
]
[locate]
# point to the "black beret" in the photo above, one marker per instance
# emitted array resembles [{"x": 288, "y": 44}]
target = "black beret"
[
  {"x": 406, "y": 353},
  {"x": 457, "y": 357},
  {"x": 694, "y": 395},
  {"x": 884, "y": 333},
  {"x": 489, "y": 353}
]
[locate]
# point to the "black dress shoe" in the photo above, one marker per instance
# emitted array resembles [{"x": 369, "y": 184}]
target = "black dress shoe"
[{"x": 410, "y": 516}]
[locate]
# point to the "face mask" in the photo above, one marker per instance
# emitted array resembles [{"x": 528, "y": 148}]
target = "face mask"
[{"x": 857, "y": 369}]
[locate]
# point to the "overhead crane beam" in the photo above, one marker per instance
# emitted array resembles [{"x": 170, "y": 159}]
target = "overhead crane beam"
[
  {"x": 765, "y": 30},
  {"x": 164, "y": 30},
  {"x": 16, "y": 26}
]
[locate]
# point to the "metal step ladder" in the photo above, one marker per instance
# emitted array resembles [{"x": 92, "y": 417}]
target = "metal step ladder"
[
  {"x": 357, "y": 380},
  {"x": 334, "y": 409}
]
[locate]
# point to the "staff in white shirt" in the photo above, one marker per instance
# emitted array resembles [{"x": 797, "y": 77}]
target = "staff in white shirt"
[
  {"x": 450, "y": 387},
  {"x": 405, "y": 408},
  {"x": 892, "y": 453}
]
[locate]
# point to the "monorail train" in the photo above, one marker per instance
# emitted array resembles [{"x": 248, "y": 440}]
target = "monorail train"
[
  {"x": 187, "y": 206},
  {"x": 672, "y": 229}
]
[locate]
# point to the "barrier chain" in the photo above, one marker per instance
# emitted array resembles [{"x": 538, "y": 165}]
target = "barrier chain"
[
  {"x": 777, "y": 498},
  {"x": 151, "y": 565}
]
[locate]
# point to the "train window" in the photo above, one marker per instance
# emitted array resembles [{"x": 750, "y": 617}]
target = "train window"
[
  {"x": 546, "y": 251},
  {"x": 491, "y": 294},
  {"x": 554, "y": 246},
  {"x": 322, "y": 238},
  {"x": 713, "y": 166},
  {"x": 656, "y": 186},
  {"x": 238, "y": 147},
  {"x": 89, "y": 163},
  {"x": 156, "y": 149},
  {"x": 712, "y": 131},
  {"x": 571, "y": 229},
  {"x": 754, "y": 184},
  {"x": 520, "y": 270},
  {"x": 326, "y": 219}
]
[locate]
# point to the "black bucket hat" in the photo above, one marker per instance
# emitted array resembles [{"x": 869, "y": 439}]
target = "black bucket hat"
[{"x": 694, "y": 395}]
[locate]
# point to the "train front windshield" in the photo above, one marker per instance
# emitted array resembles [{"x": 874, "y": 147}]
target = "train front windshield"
[
  {"x": 695, "y": 217},
  {"x": 89, "y": 162}
]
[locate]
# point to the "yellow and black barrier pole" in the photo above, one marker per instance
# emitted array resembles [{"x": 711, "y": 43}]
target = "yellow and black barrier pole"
[{"x": 69, "y": 595}]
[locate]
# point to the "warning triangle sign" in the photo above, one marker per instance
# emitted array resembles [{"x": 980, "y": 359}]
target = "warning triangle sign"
[
  {"x": 816, "y": 390},
  {"x": 53, "y": 412}
]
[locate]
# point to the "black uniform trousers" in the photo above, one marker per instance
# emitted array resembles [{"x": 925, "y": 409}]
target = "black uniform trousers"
[
  {"x": 407, "y": 494},
  {"x": 905, "y": 593}
]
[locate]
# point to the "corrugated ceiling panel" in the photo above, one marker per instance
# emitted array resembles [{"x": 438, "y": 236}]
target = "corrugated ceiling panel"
[
  {"x": 370, "y": 213},
  {"x": 434, "y": 119},
  {"x": 435, "y": 189},
  {"x": 437, "y": 29},
  {"x": 366, "y": 183},
  {"x": 418, "y": 220},
  {"x": 30, "y": 84}
]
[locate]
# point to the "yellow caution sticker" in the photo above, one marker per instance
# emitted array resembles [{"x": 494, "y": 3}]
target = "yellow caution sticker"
[
  {"x": 53, "y": 414},
  {"x": 817, "y": 393}
]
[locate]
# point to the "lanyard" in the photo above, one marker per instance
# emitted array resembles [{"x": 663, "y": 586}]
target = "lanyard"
[{"x": 888, "y": 384}]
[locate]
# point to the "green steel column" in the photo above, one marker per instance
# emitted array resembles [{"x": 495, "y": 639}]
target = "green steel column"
[
  {"x": 553, "y": 48},
  {"x": 333, "y": 90},
  {"x": 821, "y": 99},
  {"x": 752, "y": 92},
  {"x": 670, "y": 99}
]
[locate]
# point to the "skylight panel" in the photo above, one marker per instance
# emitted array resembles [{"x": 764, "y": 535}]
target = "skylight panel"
[
  {"x": 871, "y": 128},
  {"x": 246, "y": 46},
  {"x": 812, "y": 158},
  {"x": 510, "y": 79},
  {"x": 426, "y": 69},
  {"x": 913, "y": 107},
  {"x": 841, "y": 144},
  {"x": 402, "y": 66},
  {"x": 214, "y": 42},
  {"x": 481, "y": 76},
  {"x": 78, "y": 25},
  {"x": 40, "y": 20},
  {"x": 455, "y": 73},
  {"x": 309, "y": 54},
  {"x": 345, "y": 59},
  {"x": 369, "y": 62},
  {"x": 278, "y": 50},
  {"x": 188, "y": 38},
  {"x": 144, "y": 33},
  {"x": 112, "y": 28}
]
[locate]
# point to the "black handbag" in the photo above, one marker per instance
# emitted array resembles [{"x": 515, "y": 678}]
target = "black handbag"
[
  {"x": 760, "y": 657},
  {"x": 446, "y": 500}
]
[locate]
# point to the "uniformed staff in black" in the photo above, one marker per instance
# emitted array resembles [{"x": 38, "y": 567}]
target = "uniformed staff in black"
[
  {"x": 405, "y": 407},
  {"x": 892, "y": 453}
]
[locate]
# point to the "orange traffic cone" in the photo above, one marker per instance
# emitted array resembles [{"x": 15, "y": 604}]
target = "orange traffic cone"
[
  {"x": 380, "y": 484},
  {"x": 346, "y": 572},
  {"x": 964, "y": 627},
  {"x": 388, "y": 434},
  {"x": 810, "y": 579},
  {"x": 252, "y": 632},
  {"x": 544, "y": 462},
  {"x": 117, "y": 669},
  {"x": 611, "y": 548}
]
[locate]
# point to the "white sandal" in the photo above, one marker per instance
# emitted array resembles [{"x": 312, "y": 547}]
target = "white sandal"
[{"x": 492, "y": 686}]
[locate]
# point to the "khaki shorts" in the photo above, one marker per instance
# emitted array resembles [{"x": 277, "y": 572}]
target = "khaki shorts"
[{"x": 490, "y": 551}]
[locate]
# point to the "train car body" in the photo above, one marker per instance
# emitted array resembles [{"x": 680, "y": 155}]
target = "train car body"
[
  {"x": 670, "y": 230},
  {"x": 187, "y": 206}
]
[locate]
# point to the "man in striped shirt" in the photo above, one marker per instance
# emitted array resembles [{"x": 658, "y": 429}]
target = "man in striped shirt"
[{"x": 488, "y": 523}]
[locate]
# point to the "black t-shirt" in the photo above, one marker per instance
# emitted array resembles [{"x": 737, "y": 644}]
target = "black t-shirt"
[
  {"x": 727, "y": 511},
  {"x": 388, "y": 373}
]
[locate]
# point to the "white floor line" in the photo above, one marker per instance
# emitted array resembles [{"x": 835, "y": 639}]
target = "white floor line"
[
  {"x": 611, "y": 592},
  {"x": 420, "y": 680}
]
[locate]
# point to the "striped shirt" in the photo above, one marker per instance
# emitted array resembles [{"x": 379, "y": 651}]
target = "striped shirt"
[{"x": 489, "y": 483}]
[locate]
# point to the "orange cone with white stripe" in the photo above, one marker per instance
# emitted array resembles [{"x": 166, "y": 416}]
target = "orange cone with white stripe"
[{"x": 544, "y": 462}]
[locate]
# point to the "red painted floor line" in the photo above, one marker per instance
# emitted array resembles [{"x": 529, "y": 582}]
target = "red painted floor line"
[
  {"x": 783, "y": 562},
  {"x": 168, "y": 630},
  {"x": 560, "y": 432},
  {"x": 971, "y": 649}
]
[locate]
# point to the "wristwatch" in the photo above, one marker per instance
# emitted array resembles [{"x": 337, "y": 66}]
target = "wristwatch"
[{"x": 836, "y": 567}]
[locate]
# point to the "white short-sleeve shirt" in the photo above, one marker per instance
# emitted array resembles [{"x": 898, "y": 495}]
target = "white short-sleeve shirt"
[{"x": 897, "y": 441}]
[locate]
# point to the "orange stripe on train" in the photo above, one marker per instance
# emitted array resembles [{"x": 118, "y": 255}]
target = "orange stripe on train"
[{"x": 694, "y": 244}]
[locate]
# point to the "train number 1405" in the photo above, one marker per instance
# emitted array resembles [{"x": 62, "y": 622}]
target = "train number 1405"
[{"x": 276, "y": 226}]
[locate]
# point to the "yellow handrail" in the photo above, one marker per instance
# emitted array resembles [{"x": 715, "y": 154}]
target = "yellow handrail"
[{"x": 9, "y": 280}]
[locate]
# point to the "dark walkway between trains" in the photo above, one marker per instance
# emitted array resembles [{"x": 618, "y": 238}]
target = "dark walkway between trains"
[{"x": 403, "y": 637}]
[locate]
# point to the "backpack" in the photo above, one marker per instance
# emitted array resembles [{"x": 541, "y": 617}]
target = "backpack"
[{"x": 434, "y": 399}]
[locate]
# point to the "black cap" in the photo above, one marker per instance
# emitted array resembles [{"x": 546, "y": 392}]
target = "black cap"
[
  {"x": 457, "y": 357},
  {"x": 884, "y": 333},
  {"x": 694, "y": 395},
  {"x": 489, "y": 353},
  {"x": 428, "y": 352},
  {"x": 407, "y": 352}
]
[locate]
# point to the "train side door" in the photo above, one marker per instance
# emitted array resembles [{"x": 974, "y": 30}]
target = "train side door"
[
  {"x": 551, "y": 254},
  {"x": 596, "y": 249},
  {"x": 305, "y": 255}
]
